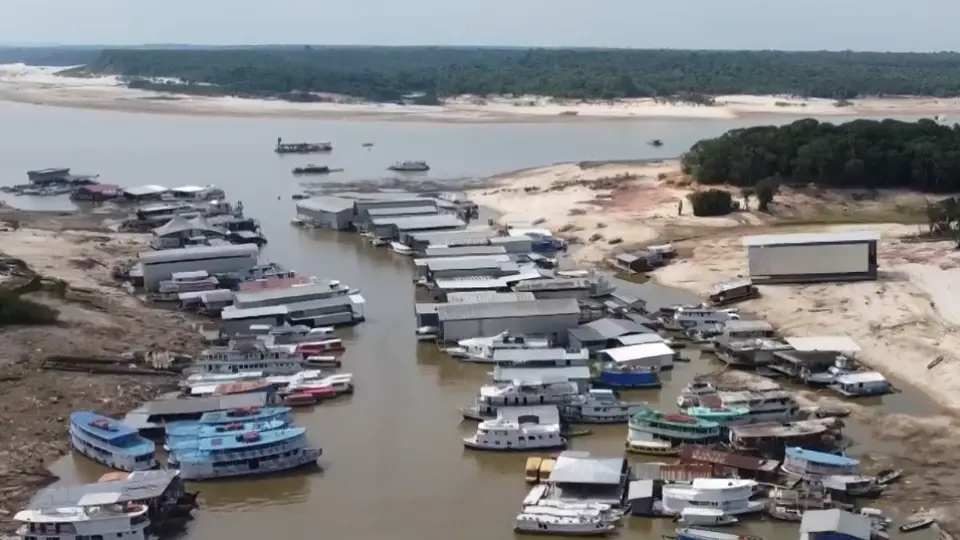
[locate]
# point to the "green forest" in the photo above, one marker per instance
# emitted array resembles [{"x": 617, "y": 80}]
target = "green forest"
[
  {"x": 389, "y": 73},
  {"x": 922, "y": 156}
]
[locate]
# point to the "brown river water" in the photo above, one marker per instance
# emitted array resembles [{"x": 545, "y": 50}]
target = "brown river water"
[{"x": 393, "y": 465}]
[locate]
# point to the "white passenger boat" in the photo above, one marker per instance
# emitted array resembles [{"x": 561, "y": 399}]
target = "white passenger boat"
[
  {"x": 244, "y": 454},
  {"x": 690, "y": 394},
  {"x": 600, "y": 406},
  {"x": 340, "y": 383},
  {"x": 508, "y": 435},
  {"x": 519, "y": 393},
  {"x": 611, "y": 515},
  {"x": 562, "y": 526},
  {"x": 688, "y": 318},
  {"x": 731, "y": 495},
  {"x": 402, "y": 249},
  {"x": 710, "y": 517},
  {"x": 127, "y": 521},
  {"x": 249, "y": 356},
  {"x": 763, "y": 405}
]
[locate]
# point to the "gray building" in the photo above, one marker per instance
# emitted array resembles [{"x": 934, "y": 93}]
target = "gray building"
[
  {"x": 468, "y": 237},
  {"x": 513, "y": 244},
  {"x": 363, "y": 206},
  {"x": 401, "y": 228},
  {"x": 335, "y": 311},
  {"x": 327, "y": 212},
  {"x": 808, "y": 258},
  {"x": 640, "y": 497},
  {"x": 578, "y": 475},
  {"x": 159, "y": 266},
  {"x": 533, "y": 374},
  {"x": 835, "y": 524},
  {"x": 603, "y": 333},
  {"x": 463, "y": 251},
  {"x": 550, "y": 318},
  {"x": 427, "y": 313},
  {"x": 427, "y": 209}
]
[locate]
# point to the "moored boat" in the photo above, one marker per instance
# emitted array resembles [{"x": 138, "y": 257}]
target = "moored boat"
[
  {"x": 612, "y": 376},
  {"x": 651, "y": 424},
  {"x": 206, "y": 431},
  {"x": 311, "y": 169},
  {"x": 249, "y": 453},
  {"x": 599, "y": 406},
  {"x": 109, "y": 520},
  {"x": 690, "y": 533},
  {"x": 708, "y": 517},
  {"x": 110, "y": 442},
  {"x": 733, "y": 494},
  {"x": 532, "y": 469},
  {"x": 303, "y": 399},
  {"x": 402, "y": 249},
  {"x": 562, "y": 525},
  {"x": 409, "y": 166},
  {"x": 783, "y": 513},
  {"x": 724, "y": 416},
  {"x": 652, "y": 447}
]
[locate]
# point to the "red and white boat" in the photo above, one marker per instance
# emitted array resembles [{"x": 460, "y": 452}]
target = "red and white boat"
[
  {"x": 304, "y": 399},
  {"x": 318, "y": 348}
]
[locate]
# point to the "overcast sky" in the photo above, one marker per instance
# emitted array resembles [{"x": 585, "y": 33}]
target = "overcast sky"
[{"x": 879, "y": 25}]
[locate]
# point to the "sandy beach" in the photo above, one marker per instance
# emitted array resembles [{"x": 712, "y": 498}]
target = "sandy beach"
[{"x": 42, "y": 86}]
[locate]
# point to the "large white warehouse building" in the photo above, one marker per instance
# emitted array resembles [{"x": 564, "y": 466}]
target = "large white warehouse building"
[{"x": 799, "y": 258}]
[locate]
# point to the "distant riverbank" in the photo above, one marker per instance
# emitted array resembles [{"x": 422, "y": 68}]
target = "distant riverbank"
[{"x": 41, "y": 86}]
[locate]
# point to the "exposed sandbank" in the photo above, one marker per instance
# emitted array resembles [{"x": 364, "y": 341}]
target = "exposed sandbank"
[{"x": 41, "y": 86}]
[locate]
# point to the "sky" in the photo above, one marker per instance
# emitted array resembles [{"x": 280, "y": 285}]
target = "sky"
[{"x": 875, "y": 25}]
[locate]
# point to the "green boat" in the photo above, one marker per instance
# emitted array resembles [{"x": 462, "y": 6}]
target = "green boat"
[
  {"x": 651, "y": 424},
  {"x": 723, "y": 415}
]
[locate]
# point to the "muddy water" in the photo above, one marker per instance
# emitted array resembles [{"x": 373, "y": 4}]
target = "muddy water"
[{"x": 393, "y": 465}]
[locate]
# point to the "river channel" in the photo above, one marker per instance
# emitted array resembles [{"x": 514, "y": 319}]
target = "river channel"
[{"x": 393, "y": 466}]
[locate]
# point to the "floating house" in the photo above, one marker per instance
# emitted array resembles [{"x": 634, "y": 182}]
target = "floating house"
[
  {"x": 541, "y": 357},
  {"x": 656, "y": 356},
  {"x": 835, "y": 524},
  {"x": 401, "y": 228},
  {"x": 577, "y": 476},
  {"x": 247, "y": 299},
  {"x": 549, "y": 318},
  {"x": 639, "y": 261},
  {"x": 864, "y": 383},
  {"x": 472, "y": 236},
  {"x": 768, "y": 439},
  {"x": 151, "y": 418},
  {"x": 579, "y": 288},
  {"x": 810, "y": 464},
  {"x": 158, "y": 266},
  {"x": 812, "y": 257},
  {"x": 96, "y": 192},
  {"x": 453, "y": 267},
  {"x": 541, "y": 240},
  {"x": 442, "y": 287},
  {"x": 362, "y": 207},
  {"x": 151, "y": 192},
  {"x": 333, "y": 311},
  {"x": 335, "y": 213},
  {"x": 434, "y": 252},
  {"x": 729, "y": 464},
  {"x": 737, "y": 290},
  {"x": 604, "y": 333},
  {"x": 527, "y": 374}
]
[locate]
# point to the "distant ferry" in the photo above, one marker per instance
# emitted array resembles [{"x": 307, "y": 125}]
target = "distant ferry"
[
  {"x": 111, "y": 443},
  {"x": 409, "y": 166},
  {"x": 248, "y": 453},
  {"x": 301, "y": 148},
  {"x": 312, "y": 169}
]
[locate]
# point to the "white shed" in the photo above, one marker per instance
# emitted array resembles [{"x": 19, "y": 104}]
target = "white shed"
[{"x": 651, "y": 355}]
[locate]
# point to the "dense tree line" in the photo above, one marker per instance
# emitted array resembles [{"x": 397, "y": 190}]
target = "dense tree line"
[
  {"x": 923, "y": 156},
  {"x": 388, "y": 73}
]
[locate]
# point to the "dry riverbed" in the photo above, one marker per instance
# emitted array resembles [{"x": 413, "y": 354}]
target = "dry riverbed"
[
  {"x": 903, "y": 321},
  {"x": 97, "y": 318}
]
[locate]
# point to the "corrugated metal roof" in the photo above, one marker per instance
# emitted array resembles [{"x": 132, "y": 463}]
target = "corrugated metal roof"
[
  {"x": 467, "y": 263},
  {"x": 165, "y": 407},
  {"x": 823, "y": 343},
  {"x": 477, "y": 297},
  {"x": 325, "y": 204},
  {"x": 580, "y": 468},
  {"x": 199, "y": 252},
  {"x": 811, "y": 238},
  {"x": 140, "y": 191},
  {"x": 837, "y": 521},
  {"x": 463, "y": 251},
  {"x": 638, "y": 352},
  {"x": 420, "y": 222},
  {"x": 534, "y": 355},
  {"x": 501, "y": 240},
  {"x": 861, "y": 377},
  {"x": 442, "y": 238},
  {"x": 427, "y": 209},
  {"x": 637, "y": 339},
  {"x": 138, "y": 485},
  {"x": 496, "y": 310},
  {"x": 611, "y": 328},
  {"x": 480, "y": 283},
  {"x": 684, "y": 472},
  {"x": 532, "y": 374},
  {"x": 288, "y": 293},
  {"x": 746, "y": 325},
  {"x": 231, "y": 313},
  {"x": 554, "y": 285}
]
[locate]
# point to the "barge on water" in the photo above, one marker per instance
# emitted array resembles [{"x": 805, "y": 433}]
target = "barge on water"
[{"x": 301, "y": 147}]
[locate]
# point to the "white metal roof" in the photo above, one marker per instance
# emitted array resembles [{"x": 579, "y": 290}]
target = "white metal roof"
[
  {"x": 533, "y": 374},
  {"x": 823, "y": 343},
  {"x": 140, "y": 191},
  {"x": 189, "y": 189},
  {"x": 637, "y": 352},
  {"x": 477, "y": 297},
  {"x": 413, "y": 223},
  {"x": 467, "y": 263},
  {"x": 199, "y": 252},
  {"x": 861, "y": 377},
  {"x": 478, "y": 283},
  {"x": 836, "y": 521},
  {"x": 547, "y": 414},
  {"x": 325, "y": 204},
  {"x": 811, "y": 238},
  {"x": 580, "y": 468},
  {"x": 499, "y": 310},
  {"x": 534, "y": 355},
  {"x": 640, "y": 339}
]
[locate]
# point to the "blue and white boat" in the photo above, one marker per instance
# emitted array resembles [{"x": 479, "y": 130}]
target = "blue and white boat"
[
  {"x": 243, "y": 454},
  {"x": 232, "y": 416},
  {"x": 188, "y": 436},
  {"x": 110, "y": 442},
  {"x": 690, "y": 533},
  {"x": 613, "y": 376}
]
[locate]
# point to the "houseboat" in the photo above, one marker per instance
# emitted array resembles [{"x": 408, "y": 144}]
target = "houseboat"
[
  {"x": 763, "y": 405},
  {"x": 113, "y": 520},
  {"x": 110, "y": 442},
  {"x": 614, "y": 375},
  {"x": 599, "y": 406},
  {"x": 520, "y": 393},
  {"x": 706, "y": 517},
  {"x": 730, "y": 495},
  {"x": 302, "y": 147},
  {"x": 686, "y": 318},
  {"x": 810, "y": 464},
  {"x": 691, "y": 393},
  {"x": 251, "y": 414},
  {"x": 193, "y": 433},
  {"x": 312, "y": 169},
  {"x": 768, "y": 439},
  {"x": 864, "y": 383},
  {"x": 653, "y": 425},
  {"x": 316, "y": 348},
  {"x": 340, "y": 384},
  {"x": 251, "y": 356},
  {"x": 729, "y": 292},
  {"x": 409, "y": 166},
  {"x": 732, "y": 330},
  {"x": 814, "y": 368},
  {"x": 481, "y": 349},
  {"x": 725, "y": 416},
  {"x": 243, "y": 454},
  {"x": 507, "y": 435},
  {"x": 749, "y": 353},
  {"x": 528, "y": 523}
]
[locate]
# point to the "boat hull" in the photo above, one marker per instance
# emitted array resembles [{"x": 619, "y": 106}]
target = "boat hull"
[
  {"x": 472, "y": 444},
  {"x": 603, "y": 531},
  {"x": 307, "y": 457},
  {"x": 106, "y": 457},
  {"x": 628, "y": 379}
]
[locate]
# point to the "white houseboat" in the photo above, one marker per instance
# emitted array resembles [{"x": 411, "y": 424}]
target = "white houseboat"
[
  {"x": 547, "y": 391},
  {"x": 125, "y": 521},
  {"x": 250, "y": 356},
  {"x": 600, "y": 406},
  {"x": 562, "y": 525},
  {"x": 519, "y": 429},
  {"x": 482, "y": 349},
  {"x": 110, "y": 442},
  {"x": 730, "y": 495},
  {"x": 810, "y": 464},
  {"x": 687, "y": 318},
  {"x": 763, "y": 405},
  {"x": 858, "y": 384}
]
